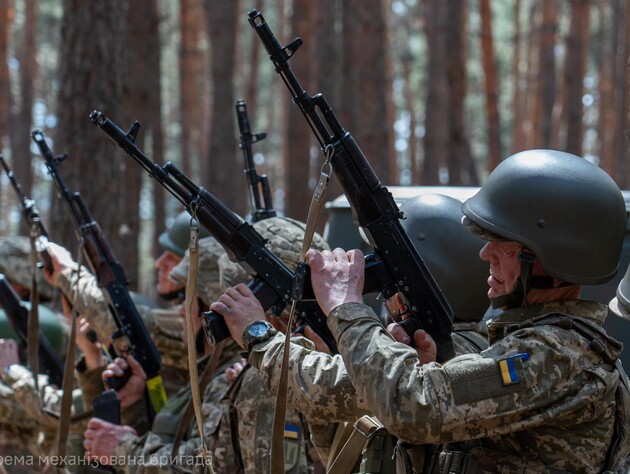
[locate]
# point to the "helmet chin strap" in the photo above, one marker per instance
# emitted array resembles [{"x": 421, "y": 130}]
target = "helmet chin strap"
[{"x": 518, "y": 297}]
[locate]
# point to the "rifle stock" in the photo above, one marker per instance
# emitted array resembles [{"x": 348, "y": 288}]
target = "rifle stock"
[
  {"x": 111, "y": 278},
  {"x": 17, "y": 313},
  {"x": 373, "y": 206}
]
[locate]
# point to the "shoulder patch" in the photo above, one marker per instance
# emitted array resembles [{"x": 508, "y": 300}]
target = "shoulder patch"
[{"x": 476, "y": 379}]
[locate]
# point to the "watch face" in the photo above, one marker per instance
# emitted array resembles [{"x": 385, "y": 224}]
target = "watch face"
[{"x": 258, "y": 329}]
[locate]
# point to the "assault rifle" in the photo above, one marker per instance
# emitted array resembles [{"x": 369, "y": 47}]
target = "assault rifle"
[
  {"x": 17, "y": 313},
  {"x": 132, "y": 335},
  {"x": 273, "y": 281},
  {"x": 373, "y": 206},
  {"x": 259, "y": 185},
  {"x": 31, "y": 216}
]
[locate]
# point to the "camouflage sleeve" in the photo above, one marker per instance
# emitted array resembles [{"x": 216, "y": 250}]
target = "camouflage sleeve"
[
  {"x": 81, "y": 289},
  {"x": 90, "y": 382},
  {"x": 151, "y": 453},
  {"x": 43, "y": 405},
  {"x": 166, "y": 327},
  {"x": 137, "y": 416},
  {"x": 11, "y": 411},
  {"x": 516, "y": 384},
  {"x": 318, "y": 387}
]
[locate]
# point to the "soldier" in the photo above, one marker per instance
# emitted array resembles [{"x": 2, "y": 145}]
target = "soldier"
[
  {"x": 545, "y": 396},
  {"x": 433, "y": 223},
  {"x": 161, "y": 448},
  {"x": 248, "y": 408},
  {"x": 164, "y": 325}
]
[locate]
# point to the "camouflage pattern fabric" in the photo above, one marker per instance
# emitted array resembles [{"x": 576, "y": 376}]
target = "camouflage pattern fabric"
[
  {"x": 16, "y": 264},
  {"x": 151, "y": 452},
  {"x": 284, "y": 237},
  {"x": 207, "y": 282},
  {"x": 254, "y": 412},
  {"x": 539, "y": 392},
  {"x": 162, "y": 324}
]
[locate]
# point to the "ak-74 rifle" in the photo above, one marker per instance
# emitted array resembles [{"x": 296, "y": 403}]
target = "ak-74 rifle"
[
  {"x": 259, "y": 185},
  {"x": 111, "y": 278},
  {"x": 31, "y": 216},
  {"x": 373, "y": 206}
]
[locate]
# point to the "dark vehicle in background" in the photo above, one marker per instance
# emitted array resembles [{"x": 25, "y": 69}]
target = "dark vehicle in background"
[{"x": 340, "y": 231}]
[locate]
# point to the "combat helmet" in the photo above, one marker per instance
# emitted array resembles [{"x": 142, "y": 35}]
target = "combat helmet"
[
  {"x": 207, "y": 273},
  {"x": 284, "y": 236},
  {"x": 17, "y": 265},
  {"x": 433, "y": 224},
  {"x": 177, "y": 236},
  {"x": 567, "y": 211}
]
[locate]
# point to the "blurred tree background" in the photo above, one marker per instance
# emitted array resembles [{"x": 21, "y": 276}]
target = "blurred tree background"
[{"x": 436, "y": 92}]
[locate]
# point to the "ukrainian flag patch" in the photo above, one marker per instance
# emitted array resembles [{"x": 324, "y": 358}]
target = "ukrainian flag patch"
[
  {"x": 291, "y": 432},
  {"x": 507, "y": 368}
]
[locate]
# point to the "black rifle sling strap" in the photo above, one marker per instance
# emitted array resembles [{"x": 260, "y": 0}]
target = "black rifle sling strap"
[{"x": 277, "y": 440}]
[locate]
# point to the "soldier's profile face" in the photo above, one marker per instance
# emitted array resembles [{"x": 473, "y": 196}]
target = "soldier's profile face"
[
  {"x": 505, "y": 267},
  {"x": 164, "y": 264}
]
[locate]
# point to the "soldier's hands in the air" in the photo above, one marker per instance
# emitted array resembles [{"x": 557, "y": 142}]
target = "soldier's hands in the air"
[
  {"x": 239, "y": 307},
  {"x": 101, "y": 439},
  {"x": 337, "y": 277},
  {"x": 133, "y": 390},
  {"x": 423, "y": 343},
  {"x": 8, "y": 353},
  {"x": 61, "y": 259}
]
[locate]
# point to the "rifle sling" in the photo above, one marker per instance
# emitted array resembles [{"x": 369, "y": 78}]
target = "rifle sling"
[{"x": 279, "y": 418}]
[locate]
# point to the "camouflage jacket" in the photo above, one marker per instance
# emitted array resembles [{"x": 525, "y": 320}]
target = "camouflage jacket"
[
  {"x": 164, "y": 325},
  {"x": 250, "y": 408},
  {"x": 537, "y": 392},
  {"x": 151, "y": 452}
]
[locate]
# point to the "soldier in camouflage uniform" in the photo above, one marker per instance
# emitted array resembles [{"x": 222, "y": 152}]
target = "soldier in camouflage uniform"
[
  {"x": 164, "y": 325},
  {"x": 546, "y": 394},
  {"x": 319, "y": 386},
  {"x": 31, "y": 410},
  {"x": 249, "y": 407},
  {"x": 140, "y": 451}
]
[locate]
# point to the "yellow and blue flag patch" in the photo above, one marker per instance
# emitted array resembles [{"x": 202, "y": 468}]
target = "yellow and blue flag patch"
[
  {"x": 507, "y": 368},
  {"x": 291, "y": 432}
]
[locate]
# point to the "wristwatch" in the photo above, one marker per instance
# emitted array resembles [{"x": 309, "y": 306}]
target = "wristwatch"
[{"x": 257, "y": 332}]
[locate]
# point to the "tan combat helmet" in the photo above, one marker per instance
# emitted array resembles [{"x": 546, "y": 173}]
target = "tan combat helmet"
[{"x": 17, "y": 265}]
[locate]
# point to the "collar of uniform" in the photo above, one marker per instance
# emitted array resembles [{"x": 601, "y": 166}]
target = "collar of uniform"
[{"x": 586, "y": 309}]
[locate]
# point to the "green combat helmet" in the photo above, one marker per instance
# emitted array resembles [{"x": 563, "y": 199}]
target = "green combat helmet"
[
  {"x": 567, "y": 211},
  {"x": 177, "y": 236},
  {"x": 433, "y": 222}
]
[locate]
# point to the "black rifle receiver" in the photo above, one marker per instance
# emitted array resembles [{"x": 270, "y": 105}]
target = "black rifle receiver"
[
  {"x": 273, "y": 279},
  {"x": 259, "y": 185},
  {"x": 111, "y": 278},
  {"x": 31, "y": 216},
  {"x": 17, "y": 313},
  {"x": 373, "y": 206}
]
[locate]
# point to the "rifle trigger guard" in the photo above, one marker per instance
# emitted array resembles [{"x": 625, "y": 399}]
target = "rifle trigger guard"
[{"x": 324, "y": 177}]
